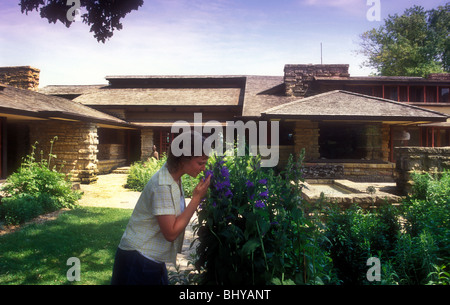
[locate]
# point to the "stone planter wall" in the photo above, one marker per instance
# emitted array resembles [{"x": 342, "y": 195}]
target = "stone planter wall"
[{"x": 419, "y": 159}]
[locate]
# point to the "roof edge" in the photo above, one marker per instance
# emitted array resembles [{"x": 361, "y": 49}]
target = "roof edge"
[{"x": 355, "y": 94}]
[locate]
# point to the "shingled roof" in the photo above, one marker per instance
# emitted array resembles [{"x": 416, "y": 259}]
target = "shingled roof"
[
  {"x": 161, "y": 97},
  {"x": 344, "y": 105},
  {"x": 254, "y": 93},
  {"x": 37, "y": 105},
  {"x": 263, "y": 93}
]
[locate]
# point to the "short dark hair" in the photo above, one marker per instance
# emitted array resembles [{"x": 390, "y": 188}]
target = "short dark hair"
[{"x": 174, "y": 162}]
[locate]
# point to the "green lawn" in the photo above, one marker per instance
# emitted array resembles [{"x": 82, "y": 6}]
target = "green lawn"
[{"x": 38, "y": 253}]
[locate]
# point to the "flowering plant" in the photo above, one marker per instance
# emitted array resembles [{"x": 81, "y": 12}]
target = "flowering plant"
[{"x": 251, "y": 226}]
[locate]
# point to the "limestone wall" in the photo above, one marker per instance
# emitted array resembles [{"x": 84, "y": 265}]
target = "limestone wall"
[
  {"x": 75, "y": 149},
  {"x": 146, "y": 143},
  {"x": 419, "y": 159},
  {"x": 306, "y": 135},
  {"x": 110, "y": 156},
  {"x": 358, "y": 172},
  {"x": 111, "y": 151}
]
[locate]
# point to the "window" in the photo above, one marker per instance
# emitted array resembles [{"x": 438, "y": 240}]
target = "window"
[
  {"x": 391, "y": 92},
  {"x": 346, "y": 141},
  {"x": 416, "y": 94},
  {"x": 443, "y": 95}
]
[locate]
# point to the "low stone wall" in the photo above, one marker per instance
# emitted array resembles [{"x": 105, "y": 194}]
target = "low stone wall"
[
  {"x": 358, "y": 172},
  {"x": 419, "y": 159},
  {"x": 107, "y": 166}
]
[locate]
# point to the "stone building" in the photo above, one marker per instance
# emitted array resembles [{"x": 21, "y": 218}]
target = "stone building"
[
  {"x": 28, "y": 117},
  {"x": 348, "y": 126}
]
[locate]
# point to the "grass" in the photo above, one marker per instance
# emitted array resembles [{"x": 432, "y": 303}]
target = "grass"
[{"x": 38, "y": 253}]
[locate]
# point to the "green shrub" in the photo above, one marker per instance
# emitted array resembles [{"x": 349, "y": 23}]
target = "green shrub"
[
  {"x": 432, "y": 212},
  {"x": 189, "y": 183},
  {"x": 15, "y": 210},
  {"x": 415, "y": 258},
  {"x": 356, "y": 235},
  {"x": 416, "y": 252},
  {"x": 141, "y": 172},
  {"x": 35, "y": 188},
  {"x": 427, "y": 214},
  {"x": 252, "y": 228}
]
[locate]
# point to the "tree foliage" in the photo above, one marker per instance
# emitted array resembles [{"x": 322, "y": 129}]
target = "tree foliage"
[
  {"x": 414, "y": 44},
  {"x": 103, "y": 16}
]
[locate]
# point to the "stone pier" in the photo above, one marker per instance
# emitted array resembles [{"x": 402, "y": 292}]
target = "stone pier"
[{"x": 75, "y": 147}]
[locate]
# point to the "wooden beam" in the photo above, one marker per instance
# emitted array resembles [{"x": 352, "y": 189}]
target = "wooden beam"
[
  {"x": 437, "y": 94},
  {"x": 432, "y": 136},
  {"x": 424, "y": 94},
  {"x": 407, "y": 93}
]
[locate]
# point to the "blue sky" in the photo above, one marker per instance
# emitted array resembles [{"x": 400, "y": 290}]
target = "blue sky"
[{"x": 195, "y": 37}]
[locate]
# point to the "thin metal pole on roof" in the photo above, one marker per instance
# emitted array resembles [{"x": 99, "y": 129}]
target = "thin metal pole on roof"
[{"x": 321, "y": 62}]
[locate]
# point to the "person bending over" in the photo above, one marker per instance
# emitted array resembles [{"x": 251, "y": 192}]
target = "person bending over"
[{"x": 155, "y": 231}]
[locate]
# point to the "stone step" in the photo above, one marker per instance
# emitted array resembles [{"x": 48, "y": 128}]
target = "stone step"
[{"x": 121, "y": 170}]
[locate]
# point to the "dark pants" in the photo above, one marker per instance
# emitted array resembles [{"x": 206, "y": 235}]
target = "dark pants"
[{"x": 132, "y": 268}]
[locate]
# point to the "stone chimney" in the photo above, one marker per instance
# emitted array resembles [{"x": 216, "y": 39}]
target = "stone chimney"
[
  {"x": 297, "y": 78},
  {"x": 439, "y": 76},
  {"x": 23, "y": 77}
]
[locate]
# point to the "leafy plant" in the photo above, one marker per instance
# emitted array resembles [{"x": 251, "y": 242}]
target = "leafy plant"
[
  {"x": 427, "y": 215},
  {"x": 356, "y": 235},
  {"x": 36, "y": 188},
  {"x": 440, "y": 276},
  {"x": 189, "y": 183},
  {"x": 252, "y": 228},
  {"x": 141, "y": 172},
  {"x": 415, "y": 258}
]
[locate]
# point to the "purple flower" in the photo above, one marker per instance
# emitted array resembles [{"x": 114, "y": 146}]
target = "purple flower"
[
  {"x": 208, "y": 173},
  {"x": 214, "y": 204},
  {"x": 259, "y": 204},
  {"x": 249, "y": 183},
  {"x": 263, "y": 181},
  {"x": 264, "y": 194},
  {"x": 229, "y": 193},
  {"x": 219, "y": 186},
  {"x": 224, "y": 171}
]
